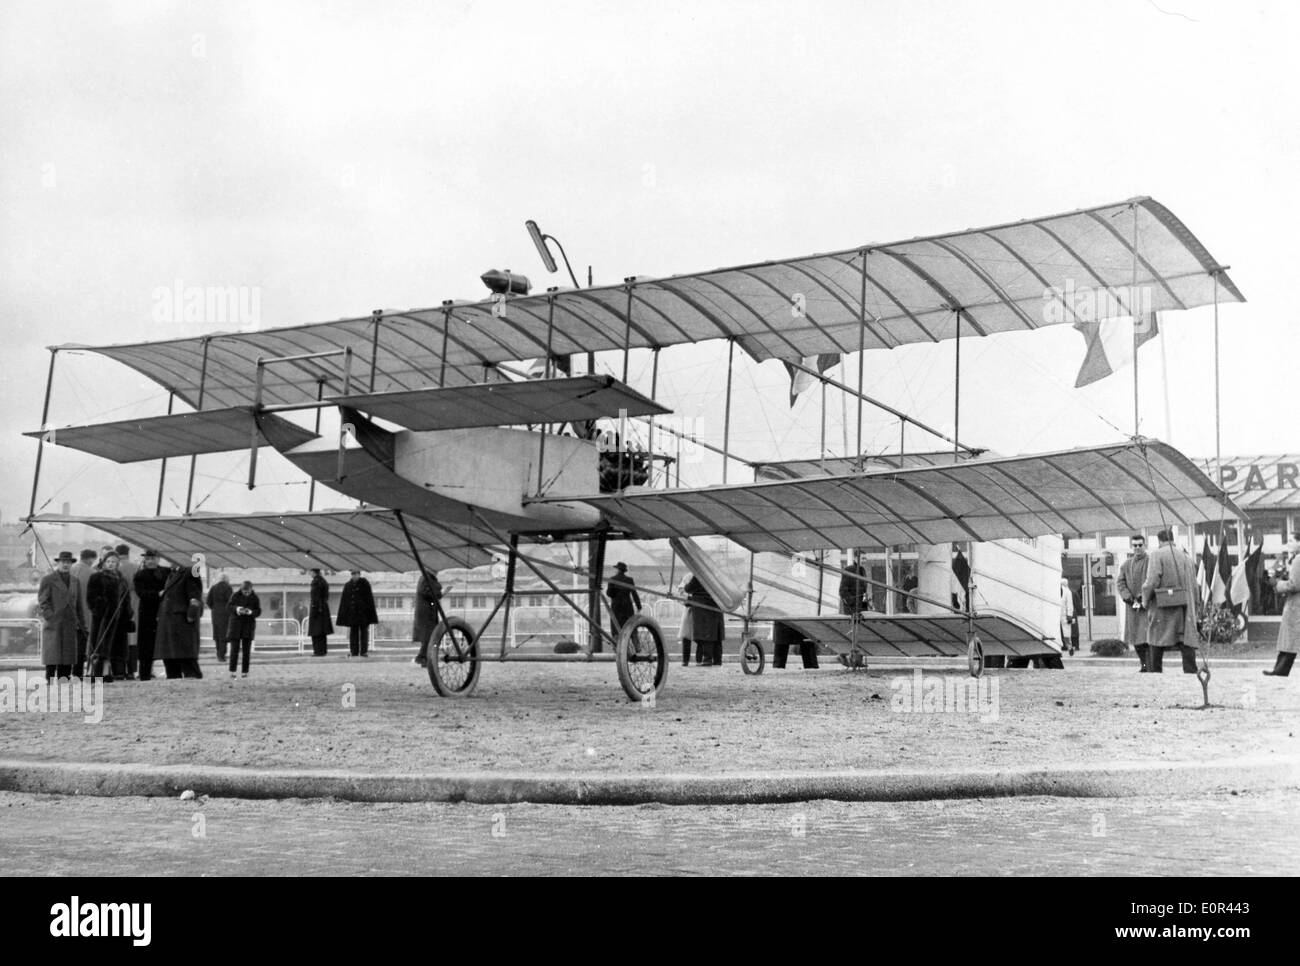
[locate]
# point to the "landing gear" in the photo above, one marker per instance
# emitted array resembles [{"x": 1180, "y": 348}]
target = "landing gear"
[
  {"x": 975, "y": 656},
  {"x": 453, "y": 660},
  {"x": 752, "y": 658},
  {"x": 642, "y": 658}
]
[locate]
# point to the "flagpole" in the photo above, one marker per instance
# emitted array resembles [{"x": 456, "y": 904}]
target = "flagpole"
[{"x": 1134, "y": 302}]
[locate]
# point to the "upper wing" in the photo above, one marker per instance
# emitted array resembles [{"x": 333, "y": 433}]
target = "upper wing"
[
  {"x": 1129, "y": 486},
  {"x": 1005, "y": 277},
  {"x": 334, "y": 539}
]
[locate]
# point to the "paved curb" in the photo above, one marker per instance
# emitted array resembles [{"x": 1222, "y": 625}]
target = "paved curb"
[{"x": 1120, "y": 780}]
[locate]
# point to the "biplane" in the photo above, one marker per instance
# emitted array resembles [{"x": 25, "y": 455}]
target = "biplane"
[{"x": 454, "y": 457}]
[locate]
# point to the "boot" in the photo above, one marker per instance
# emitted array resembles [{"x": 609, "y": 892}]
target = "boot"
[
  {"x": 686, "y": 653},
  {"x": 1144, "y": 657},
  {"x": 1283, "y": 666}
]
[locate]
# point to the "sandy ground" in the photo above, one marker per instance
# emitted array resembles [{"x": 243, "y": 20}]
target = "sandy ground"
[{"x": 385, "y": 716}]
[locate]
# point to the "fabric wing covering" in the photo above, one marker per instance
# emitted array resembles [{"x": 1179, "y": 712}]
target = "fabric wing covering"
[
  {"x": 180, "y": 434},
  {"x": 1010, "y": 277},
  {"x": 1101, "y": 488},
  {"x": 913, "y": 635},
  {"x": 370, "y": 540},
  {"x": 506, "y": 404}
]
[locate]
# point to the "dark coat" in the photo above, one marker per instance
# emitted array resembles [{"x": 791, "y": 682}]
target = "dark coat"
[
  {"x": 318, "y": 617},
  {"x": 853, "y": 590},
  {"x": 178, "y": 636},
  {"x": 60, "y": 605},
  {"x": 149, "y": 582},
  {"x": 623, "y": 598},
  {"x": 110, "y": 614},
  {"x": 219, "y": 606},
  {"x": 706, "y": 619},
  {"x": 242, "y": 626},
  {"x": 427, "y": 591},
  {"x": 357, "y": 604}
]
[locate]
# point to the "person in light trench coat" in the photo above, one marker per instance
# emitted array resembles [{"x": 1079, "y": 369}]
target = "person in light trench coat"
[
  {"x": 1171, "y": 627},
  {"x": 1288, "y": 631}
]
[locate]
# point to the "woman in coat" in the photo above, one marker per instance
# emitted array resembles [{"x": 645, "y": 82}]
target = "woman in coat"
[
  {"x": 245, "y": 609},
  {"x": 1288, "y": 632},
  {"x": 111, "y": 618},
  {"x": 178, "y": 623},
  {"x": 427, "y": 592},
  {"x": 706, "y": 622},
  {"x": 357, "y": 613},
  {"x": 319, "y": 625},
  {"x": 59, "y": 599}
]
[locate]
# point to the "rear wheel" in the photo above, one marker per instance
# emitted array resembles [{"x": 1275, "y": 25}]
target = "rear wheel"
[
  {"x": 642, "y": 658},
  {"x": 453, "y": 662},
  {"x": 752, "y": 658}
]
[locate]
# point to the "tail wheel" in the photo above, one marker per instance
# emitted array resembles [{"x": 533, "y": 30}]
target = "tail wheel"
[
  {"x": 975, "y": 656},
  {"x": 752, "y": 658},
  {"x": 453, "y": 662},
  {"x": 642, "y": 658}
]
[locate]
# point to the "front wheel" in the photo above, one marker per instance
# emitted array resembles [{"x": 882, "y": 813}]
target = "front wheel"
[
  {"x": 642, "y": 658},
  {"x": 453, "y": 662},
  {"x": 752, "y": 658},
  {"x": 975, "y": 656}
]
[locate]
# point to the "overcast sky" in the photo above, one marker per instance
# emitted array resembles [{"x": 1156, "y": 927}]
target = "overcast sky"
[{"x": 334, "y": 158}]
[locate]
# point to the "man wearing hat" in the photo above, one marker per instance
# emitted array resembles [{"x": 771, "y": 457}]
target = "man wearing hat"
[
  {"x": 59, "y": 598},
  {"x": 149, "y": 582},
  {"x": 623, "y": 598}
]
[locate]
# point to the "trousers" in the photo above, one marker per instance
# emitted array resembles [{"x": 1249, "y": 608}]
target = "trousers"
[
  {"x": 246, "y": 643},
  {"x": 359, "y": 640}
]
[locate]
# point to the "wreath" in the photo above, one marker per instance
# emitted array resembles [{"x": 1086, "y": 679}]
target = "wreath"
[{"x": 1220, "y": 626}]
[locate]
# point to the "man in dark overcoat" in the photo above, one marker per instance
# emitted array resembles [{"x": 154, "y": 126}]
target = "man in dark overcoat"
[
  {"x": 357, "y": 613},
  {"x": 319, "y": 625},
  {"x": 178, "y": 622},
  {"x": 624, "y": 601},
  {"x": 219, "y": 608},
  {"x": 59, "y": 598},
  {"x": 706, "y": 622},
  {"x": 149, "y": 582},
  {"x": 427, "y": 592}
]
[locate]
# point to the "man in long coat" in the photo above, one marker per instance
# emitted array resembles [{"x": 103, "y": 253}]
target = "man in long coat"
[
  {"x": 149, "y": 582},
  {"x": 357, "y": 613},
  {"x": 624, "y": 601},
  {"x": 1132, "y": 575},
  {"x": 178, "y": 623},
  {"x": 706, "y": 622},
  {"x": 319, "y": 625},
  {"x": 59, "y": 598},
  {"x": 219, "y": 608},
  {"x": 427, "y": 592},
  {"x": 1288, "y": 631},
  {"x": 1170, "y": 568}
]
